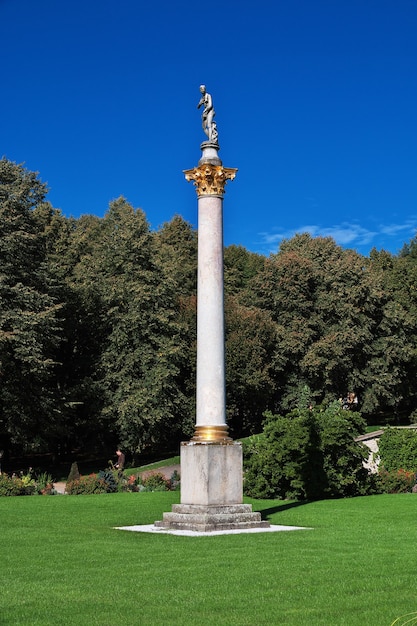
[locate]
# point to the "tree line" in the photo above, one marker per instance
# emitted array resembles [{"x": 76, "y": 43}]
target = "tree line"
[{"x": 98, "y": 326}]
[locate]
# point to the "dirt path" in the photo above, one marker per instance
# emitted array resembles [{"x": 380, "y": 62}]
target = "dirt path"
[{"x": 60, "y": 487}]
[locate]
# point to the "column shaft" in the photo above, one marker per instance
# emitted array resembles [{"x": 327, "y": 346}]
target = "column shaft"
[{"x": 211, "y": 401}]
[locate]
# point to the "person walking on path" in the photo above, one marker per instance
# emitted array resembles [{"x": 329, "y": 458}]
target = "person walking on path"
[{"x": 120, "y": 460}]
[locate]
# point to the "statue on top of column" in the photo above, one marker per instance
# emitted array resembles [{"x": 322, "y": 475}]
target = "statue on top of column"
[{"x": 209, "y": 125}]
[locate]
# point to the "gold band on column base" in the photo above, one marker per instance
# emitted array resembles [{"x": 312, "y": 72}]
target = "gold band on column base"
[{"x": 207, "y": 434}]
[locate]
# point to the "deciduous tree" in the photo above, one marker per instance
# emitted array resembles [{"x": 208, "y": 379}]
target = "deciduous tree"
[{"x": 28, "y": 313}]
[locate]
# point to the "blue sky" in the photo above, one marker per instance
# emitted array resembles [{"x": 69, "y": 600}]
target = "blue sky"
[{"x": 316, "y": 105}]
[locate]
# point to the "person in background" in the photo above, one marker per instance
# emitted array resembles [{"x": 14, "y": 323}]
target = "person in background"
[{"x": 120, "y": 460}]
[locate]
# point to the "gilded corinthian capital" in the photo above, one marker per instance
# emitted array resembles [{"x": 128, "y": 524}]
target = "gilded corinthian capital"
[{"x": 210, "y": 180}]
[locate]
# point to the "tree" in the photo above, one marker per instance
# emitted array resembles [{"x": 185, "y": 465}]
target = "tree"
[
  {"x": 29, "y": 326},
  {"x": 397, "y": 276},
  {"x": 73, "y": 268},
  {"x": 142, "y": 361},
  {"x": 337, "y": 329},
  {"x": 124, "y": 352},
  {"x": 175, "y": 246},
  {"x": 240, "y": 266},
  {"x": 250, "y": 343},
  {"x": 176, "y": 250}
]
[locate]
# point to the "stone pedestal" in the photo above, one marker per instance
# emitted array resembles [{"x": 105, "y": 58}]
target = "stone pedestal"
[
  {"x": 211, "y": 473},
  {"x": 211, "y": 490}
]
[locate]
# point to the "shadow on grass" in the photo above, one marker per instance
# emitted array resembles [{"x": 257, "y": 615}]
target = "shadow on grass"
[{"x": 266, "y": 513}]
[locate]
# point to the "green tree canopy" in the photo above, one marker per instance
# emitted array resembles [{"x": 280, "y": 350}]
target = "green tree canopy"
[
  {"x": 398, "y": 450},
  {"x": 142, "y": 360},
  {"x": 338, "y": 330},
  {"x": 29, "y": 327}
]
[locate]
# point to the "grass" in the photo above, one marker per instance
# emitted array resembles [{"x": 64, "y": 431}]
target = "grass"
[
  {"x": 62, "y": 563},
  {"x": 60, "y": 472},
  {"x": 175, "y": 460},
  {"x": 372, "y": 429}
]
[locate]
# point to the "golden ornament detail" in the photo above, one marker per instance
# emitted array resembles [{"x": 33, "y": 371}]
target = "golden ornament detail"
[{"x": 210, "y": 180}]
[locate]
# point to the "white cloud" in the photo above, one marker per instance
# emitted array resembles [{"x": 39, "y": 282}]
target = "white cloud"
[
  {"x": 347, "y": 234},
  {"x": 392, "y": 230}
]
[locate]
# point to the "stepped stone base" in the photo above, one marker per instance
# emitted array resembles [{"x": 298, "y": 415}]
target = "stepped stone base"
[
  {"x": 201, "y": 518},
  {"x": 211, "y": 490}
]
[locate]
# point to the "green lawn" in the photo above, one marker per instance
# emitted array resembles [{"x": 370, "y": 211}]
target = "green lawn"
[
  {"x": 175, "y": 460},
  {"x": 63, "y": 563}
]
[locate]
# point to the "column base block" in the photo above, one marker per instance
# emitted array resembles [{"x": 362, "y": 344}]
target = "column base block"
[{"x": 211, "y": 473}]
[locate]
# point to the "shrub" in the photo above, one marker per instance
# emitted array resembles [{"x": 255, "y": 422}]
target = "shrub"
[
  {"x": 132, "y": 483},
  {"x": 45, "y": 484},
  {"x": 87, "y": 485},
  {"x": 398, "y": 449},
  {"x": 10, "y": 486},
  {"x": 396, "y": 481},
  {"x": 74, "y": 473},
  {"x": 22, "y": 485},
  {"x": 155, "y": 482},
  {"x": 111, "y": 479},
  {"x": 342, "y": 456},
  {"x": 175, "y": 481},
  {"x": 29, "y": 484},
  {"x": 26, "y": 484},
  {"x": 308, "y": 454},
  {"x": 277, "y": 462}
]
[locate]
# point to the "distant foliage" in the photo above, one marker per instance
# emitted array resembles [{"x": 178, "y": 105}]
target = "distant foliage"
[
  {"x": 398, "y": 449},
  {"x": 98, "y": 332},
  {"x": 306, "y": 455}
]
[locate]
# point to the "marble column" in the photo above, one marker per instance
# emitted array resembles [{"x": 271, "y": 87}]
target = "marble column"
[
  {"x": 211, "y": 462},
  {"x": 210, "y": 178}
]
